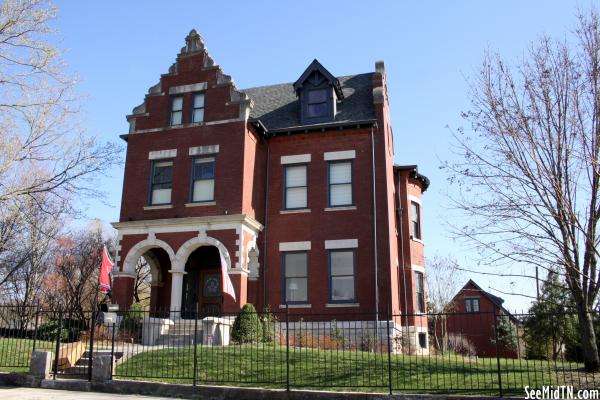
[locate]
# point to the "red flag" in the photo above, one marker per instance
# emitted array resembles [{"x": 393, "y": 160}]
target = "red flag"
[
  {"x": 226, "y": 280},
  {"x": 105, "y": 269}
]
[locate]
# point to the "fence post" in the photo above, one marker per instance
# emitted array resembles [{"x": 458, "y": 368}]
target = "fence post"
[
  {"x": 498, "y": 354},
  {"x": 196, "y": 346},
  {"x": 287, "y": 347},
  {"x": 91, "y": 355},
  {"x": 112, "y": 350},
  {"x": 59, "y": 333},
  {"x": 35, "y": 327},
  {"x": 389, "y": 348}
]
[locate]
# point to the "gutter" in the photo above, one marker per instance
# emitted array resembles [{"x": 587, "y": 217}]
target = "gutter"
[{"x": 311, "y": 128}]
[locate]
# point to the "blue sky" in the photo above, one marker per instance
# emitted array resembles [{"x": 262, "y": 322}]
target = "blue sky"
[{"x": 119, "y": 49}]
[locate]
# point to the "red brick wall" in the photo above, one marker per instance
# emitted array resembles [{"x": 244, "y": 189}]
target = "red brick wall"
[
  {"x": 233, "y": 162},
  {"x": 319, "y": 225}
]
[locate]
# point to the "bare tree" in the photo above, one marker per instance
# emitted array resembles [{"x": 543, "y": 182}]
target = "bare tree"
[
  {"x": 529, "y": 175},
  {"x": 443, "y": 282},
  {"x": 73, "y": 281},
  {"x": 141, "y": 285},
  {"x": 46, "y": 161},
  {"x": 33, "y": 254}
]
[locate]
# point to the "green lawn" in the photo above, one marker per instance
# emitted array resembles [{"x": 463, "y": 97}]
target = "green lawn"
[
  {"x": 265, "y": 366},
  {"x": 15, "y": 353}
]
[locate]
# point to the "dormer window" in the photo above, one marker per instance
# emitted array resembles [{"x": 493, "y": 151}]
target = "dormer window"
[
  {"x": 319, "y": 92},
  {"x": 317, "y": 103}
]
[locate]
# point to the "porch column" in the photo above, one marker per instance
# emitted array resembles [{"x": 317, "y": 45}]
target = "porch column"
[{"x": 176, "y": 292}]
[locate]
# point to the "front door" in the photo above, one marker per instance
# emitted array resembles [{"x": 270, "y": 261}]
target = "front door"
[
  {"x": 211, "y": 296},
  {"x": 191, "y": 294}
]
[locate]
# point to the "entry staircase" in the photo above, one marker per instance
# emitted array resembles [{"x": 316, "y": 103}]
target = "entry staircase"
[
  {"x": 182, "y": 333},
  {"x": 80, "y": 369}
]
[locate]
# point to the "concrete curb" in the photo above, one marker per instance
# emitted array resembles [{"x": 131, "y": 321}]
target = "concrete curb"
[{"x": 206, "y": 392}]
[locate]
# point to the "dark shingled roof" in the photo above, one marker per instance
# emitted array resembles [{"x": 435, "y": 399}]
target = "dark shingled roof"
[{"x": 278, "y": 108}]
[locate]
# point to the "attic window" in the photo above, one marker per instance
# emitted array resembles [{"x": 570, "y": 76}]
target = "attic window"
[
  {"x": 317, "y": 103},
  {"x": 318, "y": 91}
]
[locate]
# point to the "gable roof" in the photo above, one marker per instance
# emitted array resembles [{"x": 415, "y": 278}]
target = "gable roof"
[
  {"x": 278, "y": 108},
  {"x": 315, "y": 65},
  {"x": 497, "y": 301}
]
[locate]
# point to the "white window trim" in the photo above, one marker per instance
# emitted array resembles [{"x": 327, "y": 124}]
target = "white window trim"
[
  {"x": 415, "y": 199},
  {"x": 294, "y": 246},
  {"x": 340, "y": 208},
  {"x": 295, "y": 159},
  {"x": 160, "y": 154},
  {"x": 339, "y": 155},
  {"x": 418, "y": 268},
  {"x": 194, "y": 87},
  {"x": 342, "y": 305},
  {"x": 158, "y": 207},
  {"x": 295, "y": 306},
  {"x": 341, "y": 244},
  {"x": 201, "y": 204},
  {"x": 201, "y": 150},
  {"x": 299, "y": 211}
]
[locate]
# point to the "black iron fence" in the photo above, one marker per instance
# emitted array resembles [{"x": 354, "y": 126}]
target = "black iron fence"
[{"x": 478, "y": 353}]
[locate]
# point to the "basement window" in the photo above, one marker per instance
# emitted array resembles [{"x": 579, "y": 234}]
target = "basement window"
[{"x": 422, "y": 340}]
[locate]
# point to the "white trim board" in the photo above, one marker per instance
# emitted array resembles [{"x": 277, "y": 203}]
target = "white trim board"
[
  {"x": 294, "y": 246},
  {"x": 341, "y": 244},
  {"x": 339, "y": 155},
  {"x": 160, "y": 154},
  {"x": 295, "y": 159}
]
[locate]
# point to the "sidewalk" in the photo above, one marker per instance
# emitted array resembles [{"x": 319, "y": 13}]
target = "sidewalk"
[{"x": 19, "y": 393}]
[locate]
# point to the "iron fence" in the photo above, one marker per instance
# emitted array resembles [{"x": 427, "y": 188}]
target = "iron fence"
[{"x": 470, "y": 353}]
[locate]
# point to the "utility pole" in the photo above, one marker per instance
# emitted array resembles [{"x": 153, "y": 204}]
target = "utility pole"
[{"x": 537, "y": 283}]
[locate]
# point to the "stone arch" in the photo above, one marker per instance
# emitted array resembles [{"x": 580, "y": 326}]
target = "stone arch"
[
  {"x": 188, "y": 247},
  {"x": 142, "y": 247}
]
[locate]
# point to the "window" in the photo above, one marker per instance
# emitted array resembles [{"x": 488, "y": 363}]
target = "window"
[
  {"x": 472, "y": 305},
  {"x": 341, "y": 276},
  {"x": 295, "y": 273},
  {"x": 203, "y": 179},
  {"x": 340, "y": 184},
  {"x": 415, "y": 217},
  {"x": 161, "y": 182},
  {"x": 317, "y": 103},
  {"x": 420, "y": 292},
  {"x": 295, "y": 195},
  {"x": 198, "y": 108},
  {"x": 422, "y": 340},
  {"x": 176, "y": 110}
]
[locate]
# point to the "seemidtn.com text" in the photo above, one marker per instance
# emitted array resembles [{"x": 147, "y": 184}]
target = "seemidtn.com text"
[{"x": 561, "y": 392}]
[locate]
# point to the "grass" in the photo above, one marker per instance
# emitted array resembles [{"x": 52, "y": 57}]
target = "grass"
[
  {"x": 15, "y": 353},
  {"x": 265, "y": 366}
]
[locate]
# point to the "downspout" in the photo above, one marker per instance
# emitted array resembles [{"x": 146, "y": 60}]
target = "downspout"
[
  {"x": 375, "y": 245},
  {"x": 266, "y": 225},
  {"x": 403, "y": 272}
]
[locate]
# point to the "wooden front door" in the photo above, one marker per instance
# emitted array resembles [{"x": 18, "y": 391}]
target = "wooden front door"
[{"x": 211, "y": 297}]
